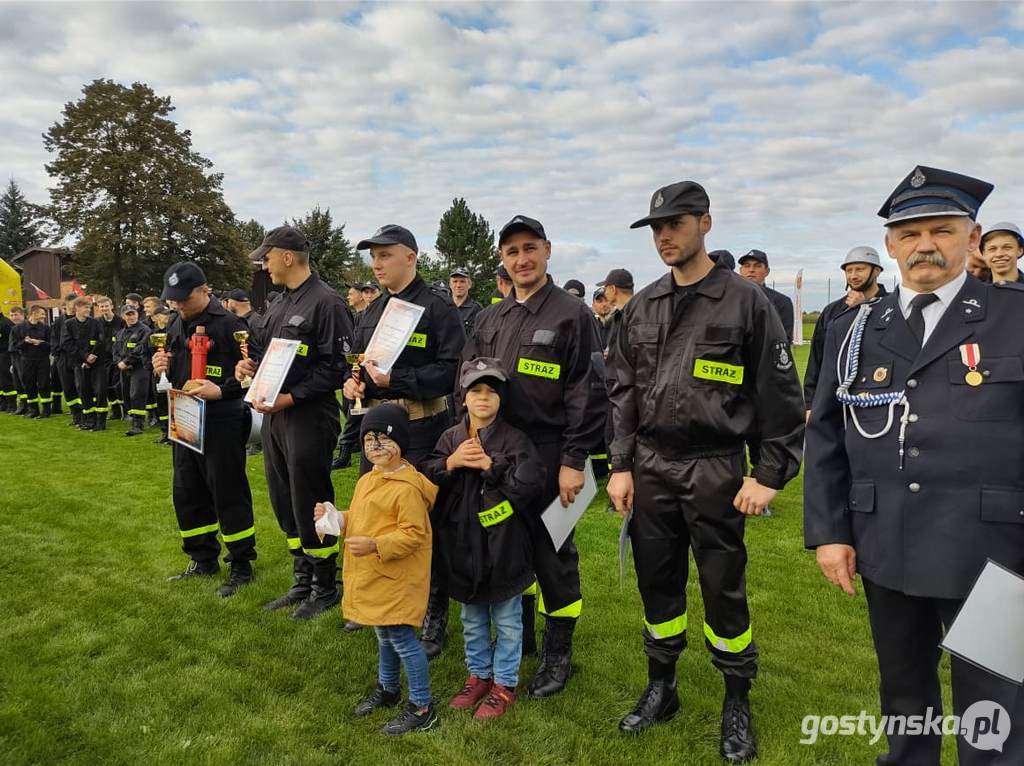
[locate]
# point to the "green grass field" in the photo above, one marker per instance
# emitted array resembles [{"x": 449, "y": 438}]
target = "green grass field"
[{"x": 104, "y": 662}]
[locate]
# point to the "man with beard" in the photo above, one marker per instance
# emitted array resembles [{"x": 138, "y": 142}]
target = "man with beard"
[
  {"x": 1001, "y": 247},
  {"x": 862, "y": 268},
  {"x": 754, "y": 266},
  {"x": 700, "y": 366}
]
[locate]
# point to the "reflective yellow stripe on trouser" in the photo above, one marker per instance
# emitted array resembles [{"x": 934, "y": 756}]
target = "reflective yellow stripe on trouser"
[
  {"x": 570, "y": 610},
  {"x": 199, "y": 530},
  {"x": 731, "y": 645},
  {"x": 322, "y": 553},
  {"x": 294, "y": 544},
  {"x": 668, "y": 629},
  {"x": 239, "y": 535}
]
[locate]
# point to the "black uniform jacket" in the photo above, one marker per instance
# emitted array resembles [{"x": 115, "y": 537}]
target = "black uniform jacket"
[
  {"x": 220, "y": 325},
  {"x": 132, "y": 346},
  {"x": 6, "y": 327},
  {"x": 556, "y": 388},
  {"x": 784, "y": 307},
  {"x": 108, "y": 337},
  {"x": 33, "y": 351},
  {"x": 427, "y": 367},
  {"x": 478, "y": 515},
  {"x": 79, "y": 339},
  {"x": 56, "y": 333},
  {"x": 467, "y": 314},
  {"x": 703, "y": 380},
  {"x": 313, "y": 314},
  {"x": 817, "y": 353},
  {"x": 925, "y": 530}
]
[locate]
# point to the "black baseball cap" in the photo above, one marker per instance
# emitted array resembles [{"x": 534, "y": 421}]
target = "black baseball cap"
[
  {"x": 481, "y": 368},
  {"x": 161, "y": 309},
  {"x": 575, "y": 287},
  {"x": 618, "y": 278},
  {"x": 754, "y": 255},
  {"x": 129, "y": 309},
  {"x": 371, "y": 285},
  {"x": 502, "y": 273},
  {"x": 521, "y": 223},
  {"x": 682, "y": 198},
  {"x": 723, "y": 258},
  {"x": 460, "y": 272},
  {"x": 181, "y": 279},
  {"x": 389, "y": 234},
  {"x": 236, "y": 295},
  {"x": 284, "y": 237}
]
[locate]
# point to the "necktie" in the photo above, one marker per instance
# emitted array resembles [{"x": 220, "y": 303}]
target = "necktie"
[{"x": 915, "y": 319}]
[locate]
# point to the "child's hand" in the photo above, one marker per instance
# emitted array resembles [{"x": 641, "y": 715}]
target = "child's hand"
[
  {"x": 361, "y": 546},
  {"x": 318, "y": 511},
  {"x": 466, "y": 455}
]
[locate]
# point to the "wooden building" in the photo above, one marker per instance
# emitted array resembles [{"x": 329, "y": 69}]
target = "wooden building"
[{"x": 49, "y": 268}]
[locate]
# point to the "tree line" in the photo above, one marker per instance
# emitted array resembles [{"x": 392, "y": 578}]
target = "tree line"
[{"x": 130, "y": 196}]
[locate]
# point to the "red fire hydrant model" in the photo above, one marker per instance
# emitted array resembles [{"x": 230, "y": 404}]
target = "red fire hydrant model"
[{"x": 199, "y": 346}]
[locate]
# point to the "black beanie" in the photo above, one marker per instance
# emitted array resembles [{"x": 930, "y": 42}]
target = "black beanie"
[{"x": 390, "y": 420}]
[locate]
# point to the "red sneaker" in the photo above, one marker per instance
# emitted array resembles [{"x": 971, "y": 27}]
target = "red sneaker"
[
  {"x": 497, "y": 702},
  {"x": 474, "y": 690}
]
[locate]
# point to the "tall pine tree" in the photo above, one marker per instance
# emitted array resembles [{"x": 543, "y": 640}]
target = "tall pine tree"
[
  {"x": 136, "y": 196},
  {"x": 330, "y": 253},
  {"x": 19, "y": 222},
  {"x": 465, "y": 239}
]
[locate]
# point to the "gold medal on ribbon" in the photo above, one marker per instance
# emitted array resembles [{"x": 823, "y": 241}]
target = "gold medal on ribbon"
[{"x": 970, "y": 355}]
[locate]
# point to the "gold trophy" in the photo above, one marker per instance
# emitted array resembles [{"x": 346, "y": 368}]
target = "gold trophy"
[
  {"x": 355, "y": 360},
  {"x": 242, "y": 339},
  {"x": 158, "y": 340}
]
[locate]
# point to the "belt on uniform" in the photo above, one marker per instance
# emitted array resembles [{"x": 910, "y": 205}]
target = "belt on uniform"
[
  {"x": 417, "y": 409},
  {"x": 692, "y": 452}
]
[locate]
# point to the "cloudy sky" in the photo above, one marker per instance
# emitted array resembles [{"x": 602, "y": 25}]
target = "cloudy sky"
[{"x": 798, "y": 118}]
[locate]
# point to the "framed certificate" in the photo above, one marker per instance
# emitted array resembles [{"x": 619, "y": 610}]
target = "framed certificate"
[
  {"x": 393, "y": 332},
  {"x": 272, "y": 371},
  {"x": 186, "y": 420}
]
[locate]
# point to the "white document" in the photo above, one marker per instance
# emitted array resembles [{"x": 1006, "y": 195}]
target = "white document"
[
  {"x": 186, "y": 420},
  {"x": 393, "y": 333},
  {"x": 274, "y": 367},
  {"x": 987, "y": 630},
  {"x": 561, "y": 521},
  {"x": 330, "y": 523}
]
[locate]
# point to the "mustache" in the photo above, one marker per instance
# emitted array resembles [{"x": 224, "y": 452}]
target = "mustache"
[{"x": 934, "y": 258}]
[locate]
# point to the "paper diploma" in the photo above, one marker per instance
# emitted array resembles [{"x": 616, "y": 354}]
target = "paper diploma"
[
  {"x": 274, "y": 367},
  {"x": 561, "y": 521},
  {"x": 392, "y": 334},
  {"x": 186, "y": 420}
]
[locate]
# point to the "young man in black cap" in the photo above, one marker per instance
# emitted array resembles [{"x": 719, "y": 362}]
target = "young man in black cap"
[
  {"x": 300, "y": 428},
  {"x": 700, "y": 367},
  {"x": 80, "y": 339},
  {"x": 575, "y": 288},
  {"x": 422, "y": 378},
  {"x": 210, "y": 489},
  {"x": 31, "y": 341},
  {"x": 237, "y": 302},
  {"x": 754, "y": 266},
  {"x": 909, "y": 480},
  {"x": 459, "y": 283},
  {"x": 548, "y": 341},
  {"x": 131, "y": 357},
  {"x": 502, "y": 284}
]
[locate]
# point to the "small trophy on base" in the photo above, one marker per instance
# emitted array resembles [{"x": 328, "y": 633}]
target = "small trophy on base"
[
  {"x": 355, "y": 360},
  {"x": 242, "y": 339},
  {"x": 158, "y": 340}
]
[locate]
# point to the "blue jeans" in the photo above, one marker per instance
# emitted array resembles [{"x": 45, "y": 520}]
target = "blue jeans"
[
  {"x": 501, "y": 661},
  {"x": 399, "y": 646}
]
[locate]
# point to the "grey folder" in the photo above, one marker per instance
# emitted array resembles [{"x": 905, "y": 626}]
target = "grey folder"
[{"x": 989, "y": 629}]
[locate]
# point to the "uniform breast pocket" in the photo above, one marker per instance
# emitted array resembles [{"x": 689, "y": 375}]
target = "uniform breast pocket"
[
  {"x": 299, "y": 328},
  {"x": 643, "y": 340},
  {"x": 718, "y": 358},
  {"x": 999, "y": 393},
  {"x": 484, "y": 341},
  {"x": 541, "y": 357}
]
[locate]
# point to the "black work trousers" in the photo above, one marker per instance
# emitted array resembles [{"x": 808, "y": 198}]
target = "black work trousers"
[
  {"x": 211, "y": 491},
  {"x": 906, "y": 632},
  {"x": 6, "y": 375},
  {"x": 35, "y": 374},
  {"x": 92, "y": 386},
  {"x": 680, "y": 505},
  {"x": 135, "y": 382},
  {"x": 68, "y": 380},
  {"x": 298, "y": 443}
]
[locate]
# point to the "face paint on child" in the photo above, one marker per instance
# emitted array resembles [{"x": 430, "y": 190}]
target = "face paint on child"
[{"x": 380, "y": 449}]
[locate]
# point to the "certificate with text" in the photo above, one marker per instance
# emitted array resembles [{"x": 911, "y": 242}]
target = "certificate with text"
[
  {"x": 186, "y": 420},
  {"x": 394, "y": 332},
  {"x": 273, "y": 370}
]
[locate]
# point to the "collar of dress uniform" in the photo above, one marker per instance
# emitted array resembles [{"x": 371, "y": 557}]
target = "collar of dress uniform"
[
  {"x": 533, "y": 303},
  {"x": 711, "y": 286},
  {"x": 945, "y": 294}
]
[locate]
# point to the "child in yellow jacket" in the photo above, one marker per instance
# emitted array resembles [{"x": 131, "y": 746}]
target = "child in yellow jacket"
[{"x": 386, "y": 569}]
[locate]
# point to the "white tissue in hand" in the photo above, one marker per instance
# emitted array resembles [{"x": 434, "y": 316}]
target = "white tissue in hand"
[{"x": 329, "y": 523}]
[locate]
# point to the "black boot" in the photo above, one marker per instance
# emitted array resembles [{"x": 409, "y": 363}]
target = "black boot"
[
  {"x": 555, "y": 658},
  {"x": 435, "y": 623},
  {"x": 57, "y": 405},
  {"x": 196, "y": 569},
  {"x": 33, "y": 411},
  {"x": 324, "y": 594},
  {"x": 76, "y": 415},
  {"x": 344, "y": 459},
  {"x": 47, "y": 407},
  {"x": 5, "y": 405},
  {"x": 737, "y": 744},
  {"x": 101, "y": 422},
  {"x": 659, "y": 702},
  {"x": 529, "y": 625},
  {"x": 302, "y": 571},
  {"x": 240, "y": 574},
  {"x": 88, "y": 421},
  {"x": 163, "y": 439},
  {"x": 138, "y": 424},
  {"x": 22, "y": 408},
  {"x": 153, "y": 421}
]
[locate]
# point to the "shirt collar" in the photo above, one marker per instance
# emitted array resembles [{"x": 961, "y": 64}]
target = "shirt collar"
[
  {"x": 533, "y": 303},
  {"x": 301, "y": 289},
  {"x": 945, "y": 294}
]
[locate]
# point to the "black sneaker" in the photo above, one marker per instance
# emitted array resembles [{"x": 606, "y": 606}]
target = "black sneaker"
[
  {"x": 197, "y": 569},
  {"x": 413, "y": 719},
  {"x": 380, "y": 697}
]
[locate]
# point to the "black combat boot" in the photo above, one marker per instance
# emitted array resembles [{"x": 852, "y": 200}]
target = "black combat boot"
[
  {"x": 555, "y": 657},
  {"x": 241, "y": 574},
  {"x": 88, "y": 421},
  {"x": 659, "y": 702},
  {"x": 47, "y": 407},
  {"x": 57, "y": 406},
  {"x": 435, "y": 623},
  {"x": 33, "y": 411},
  {"x": 137, "y": 426},
  {"x": 76, "y": 415},
  {"x": 22, "y": 408},
  {"x": 115, "y": 411},
  {"x": 737, "y": 744},
  {"x": 302, "y": 571},
  {"x": 529, "y": 625},
  {"x": 197, "y": 569},
  {"x": 344, "y": 459},
  {"x": 101, "y": 422},
  {"x": 324, "y": 594}
]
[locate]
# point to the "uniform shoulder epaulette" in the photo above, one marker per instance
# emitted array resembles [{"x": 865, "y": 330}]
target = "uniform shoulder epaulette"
[{"x": 442, "y": 294}]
